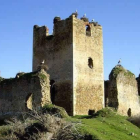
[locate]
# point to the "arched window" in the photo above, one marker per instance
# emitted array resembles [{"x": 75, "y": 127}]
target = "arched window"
[
  {"x": 90, "y": 62},
  {"x": 88, "y": 30}
]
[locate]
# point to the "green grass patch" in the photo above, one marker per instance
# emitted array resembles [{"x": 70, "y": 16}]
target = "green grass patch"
[{"x": 109, "y": 126}]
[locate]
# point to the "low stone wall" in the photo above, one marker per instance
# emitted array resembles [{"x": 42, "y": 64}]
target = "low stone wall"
[
  {"x": 123, "y": 92},
  {"x": 26, "y": 91}
]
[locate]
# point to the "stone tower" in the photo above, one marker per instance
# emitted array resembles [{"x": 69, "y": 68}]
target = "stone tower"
[{"x": 74, "y": 59}]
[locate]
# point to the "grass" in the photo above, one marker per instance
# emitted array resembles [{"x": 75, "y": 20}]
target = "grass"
[{"x": 104, "y": 126}]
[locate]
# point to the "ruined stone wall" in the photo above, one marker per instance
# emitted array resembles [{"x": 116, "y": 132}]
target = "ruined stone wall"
[
  {"x": 26, "y": 91},
  {"x": 138, "y": 84},
  {"x": 123, "y": 93},
  {"x": 57, "y": 51},
  {"x": 88, "y": 80},
  {"x": 78, "y": 87}
]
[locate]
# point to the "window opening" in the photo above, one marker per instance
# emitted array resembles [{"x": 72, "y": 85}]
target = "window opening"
[
  {"x": 90, "y": 63},
  {"x": 88, "y": 30}
]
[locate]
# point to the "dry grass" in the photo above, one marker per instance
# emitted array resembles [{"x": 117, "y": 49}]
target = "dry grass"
[{"x": 38, "y": 126}]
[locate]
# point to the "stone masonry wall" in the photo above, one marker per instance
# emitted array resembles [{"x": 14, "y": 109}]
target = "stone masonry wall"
[
  {"x": 56, "y": 50},
  {"x": 26, "y": 91},
  {"x": 77, "y": 87},
  {"x": 123, "y": 93},
  {"x": 88, "y": 80}
]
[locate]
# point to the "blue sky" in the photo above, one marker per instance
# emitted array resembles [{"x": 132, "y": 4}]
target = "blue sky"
[{"x": 120, "y": 20}]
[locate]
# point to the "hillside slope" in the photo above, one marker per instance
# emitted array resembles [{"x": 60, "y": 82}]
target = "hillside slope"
[{"x": 103, "y": 125}]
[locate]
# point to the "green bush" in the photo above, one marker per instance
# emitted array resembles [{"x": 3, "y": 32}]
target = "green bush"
[
  {"x": 55, "y": 110},
  {"x": 105, "y": 112}
]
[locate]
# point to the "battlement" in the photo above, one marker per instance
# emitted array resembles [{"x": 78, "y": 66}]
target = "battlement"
[{"x": 66, "y": 25}]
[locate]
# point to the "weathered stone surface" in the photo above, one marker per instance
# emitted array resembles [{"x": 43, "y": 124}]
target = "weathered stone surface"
[
  {"x": 123, "y": 92},
  {"x": 26, "y": 91},
  {"x": 138, "y": 83},
  {"x": 74, "y": 58}
]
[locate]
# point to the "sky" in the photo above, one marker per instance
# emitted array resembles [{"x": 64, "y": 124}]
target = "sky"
[{"x": 120, "y": 20}]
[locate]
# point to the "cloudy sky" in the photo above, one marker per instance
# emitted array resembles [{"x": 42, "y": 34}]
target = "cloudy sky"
[{"x": 120, "y": 20}]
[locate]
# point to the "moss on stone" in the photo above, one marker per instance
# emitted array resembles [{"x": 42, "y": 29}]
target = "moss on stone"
[
  {"x": 118, "y": 69},
  {"x": 29, "y": 75},
  {"x": 42, "y": 76},
  {"x": 8, "y": 81},
  {"x": 20, "y": 74},
  {"x": 1, "y": 79},
  {"x": 55, "y": 110},
  {"x": 129, "y": 73}
]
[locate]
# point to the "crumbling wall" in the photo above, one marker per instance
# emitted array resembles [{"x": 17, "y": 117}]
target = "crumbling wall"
[
  {"x": 138, "y": 84},
  {"x": 57, "y": 51},
  {"x": 26, "y": 91},
  {"x": 123, "y": 92}
]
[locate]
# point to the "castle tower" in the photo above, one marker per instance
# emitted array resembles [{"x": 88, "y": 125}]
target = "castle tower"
[{"x": 74, "y": 58}]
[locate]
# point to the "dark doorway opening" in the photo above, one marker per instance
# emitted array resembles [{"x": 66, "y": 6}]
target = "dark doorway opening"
[{"x": 52, "y": 91}]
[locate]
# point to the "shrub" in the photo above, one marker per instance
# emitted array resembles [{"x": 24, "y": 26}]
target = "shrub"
[
  {"x": 55, "y": 110},
  {"x": 106, "y": 112}
]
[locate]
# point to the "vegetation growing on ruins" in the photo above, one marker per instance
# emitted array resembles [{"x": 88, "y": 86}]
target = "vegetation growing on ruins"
[
  {"x": 1, "y": 79},
  {"x": 33, "y": 74},
  {"x": 22, "y": 75},
  {"x": 104, "y": 125},
  {"x": 28, "y": 75},
  {"x": 42, "y": 76},
  {"x": 7, "y": 81},
  {"x": 53, "y": 109},
  {"x": 118, "y": 69}
]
